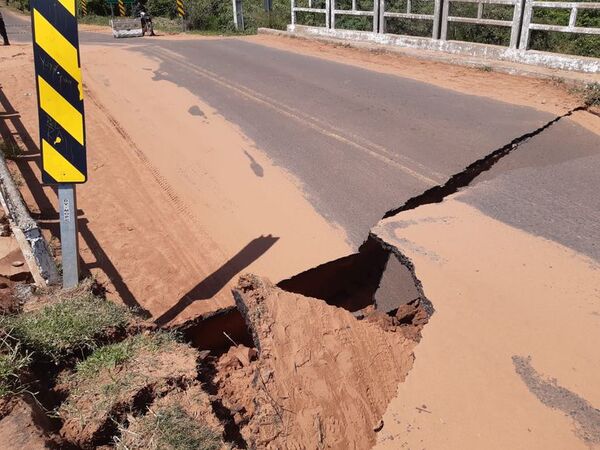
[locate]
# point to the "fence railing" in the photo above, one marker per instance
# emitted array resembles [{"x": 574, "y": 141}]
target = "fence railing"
[
  {"x": 514, "y": 24},
  {"x": 411, "y": 15},
  {"x": 311, "y": 9},
  {"x": 520, "y": 21},
  {"x": 528, "y": 24},
  {"x": 355, "y": 11}
]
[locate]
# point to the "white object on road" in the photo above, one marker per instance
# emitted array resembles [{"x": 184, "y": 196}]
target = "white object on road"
[{"x": 126, "y": 27}]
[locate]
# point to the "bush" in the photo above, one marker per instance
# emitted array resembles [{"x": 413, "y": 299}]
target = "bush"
[
  {"x": 211, "y": 15},
  {"x": 75, "y": 322},
  {"x": 162, "y": 8}
]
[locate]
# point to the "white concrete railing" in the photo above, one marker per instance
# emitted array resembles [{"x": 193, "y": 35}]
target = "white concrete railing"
[
  {"x": 354, "y": 11},
  {"x": 311, "y": 9},
  {"x": 572, "y": 27},
  {"x": 521, "y": 24},
  {"x": 514, "y": 24},
  {"x": 409, "y": 14}
]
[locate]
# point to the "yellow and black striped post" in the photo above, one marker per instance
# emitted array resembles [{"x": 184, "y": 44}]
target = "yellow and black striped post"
[
  {"x": 83, "y": 7},
  {"x": 60, "y": 93},
  {"x": 122, "y": 10},
  {"x": 61, "y": 116},
  {"x": 180, "y": 9}
]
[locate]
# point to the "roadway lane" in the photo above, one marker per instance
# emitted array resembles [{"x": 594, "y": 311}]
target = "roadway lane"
[
  {"x": 548, "y": 188},
  {"x": 360, "y": 142}
]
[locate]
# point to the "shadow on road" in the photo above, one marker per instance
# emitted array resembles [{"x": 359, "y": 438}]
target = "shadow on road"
[
  {"x": 48, "y": 216},
  {"x": 217, "y": 280}
]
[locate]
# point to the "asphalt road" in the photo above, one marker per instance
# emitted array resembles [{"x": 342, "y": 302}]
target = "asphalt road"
[{"x": 363, "y": 142}]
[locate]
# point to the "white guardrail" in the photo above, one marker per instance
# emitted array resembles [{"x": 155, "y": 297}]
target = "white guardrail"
[{"x": 521, "y": 23}]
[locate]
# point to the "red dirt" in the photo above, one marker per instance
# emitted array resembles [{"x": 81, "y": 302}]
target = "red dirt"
[
  {"x": 322, "y": 379},
  {"x": 19, "y": 427},
  {"x": 96, "y": 402}
]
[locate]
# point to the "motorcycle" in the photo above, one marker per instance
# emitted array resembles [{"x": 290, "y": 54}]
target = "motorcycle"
[{"x": 147, "y": 26}]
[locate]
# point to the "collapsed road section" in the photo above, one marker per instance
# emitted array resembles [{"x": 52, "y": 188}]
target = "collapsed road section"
[{"x": 324, "y": 355}]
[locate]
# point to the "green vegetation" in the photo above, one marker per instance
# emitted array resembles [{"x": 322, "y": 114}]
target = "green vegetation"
[
  {"x": 74, "y": 322},
  {"x": 105, "y": 386},
  {"x": 12, "y": 364},
  {"x": 216, "y": 16},
  {"x": 170, "y": 428},
  {"x": 114, "y": 355},
  {"x": 9, "y": 149},
  {"x": 93, "y": 19},
  {"x": 113, "y": 373}
]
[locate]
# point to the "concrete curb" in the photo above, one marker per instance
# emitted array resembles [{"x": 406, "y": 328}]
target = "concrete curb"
[
  {"x": 487, "y": 61},
  {"x": 29, "y": 236}
]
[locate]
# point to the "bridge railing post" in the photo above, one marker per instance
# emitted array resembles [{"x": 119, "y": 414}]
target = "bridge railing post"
[
  {"x": 527, "y": 13},
  {"x": 515, "y": 30},
  {"x": 444, "y": 19},
  {"x": 437, "y": 11}
]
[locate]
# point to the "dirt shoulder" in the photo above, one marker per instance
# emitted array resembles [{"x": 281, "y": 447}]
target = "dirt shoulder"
[{"x": 173, "y": 210}]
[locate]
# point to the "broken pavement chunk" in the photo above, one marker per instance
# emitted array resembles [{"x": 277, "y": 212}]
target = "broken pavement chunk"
[{"x": 322, "y": 379}]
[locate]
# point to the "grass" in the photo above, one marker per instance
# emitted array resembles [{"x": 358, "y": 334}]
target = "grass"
[
  {"x": 12, "y": 364},
  {"x": 10, "y": 149},
  {"x": 112, "y": 376},
  {"x": 117, "y": 354},
  {"x": 75, "y": 322},
  {"x": 170, "y": 428},
  {"x": 94, "y": 20}
]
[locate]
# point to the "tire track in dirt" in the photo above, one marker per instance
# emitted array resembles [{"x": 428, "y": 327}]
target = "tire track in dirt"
[{"x": 182, "y": 208}]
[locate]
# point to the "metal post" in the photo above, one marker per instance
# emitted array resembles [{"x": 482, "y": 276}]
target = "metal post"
[
  {"x": 68, "y": 235},
  {"x": 61, "y": 116}
]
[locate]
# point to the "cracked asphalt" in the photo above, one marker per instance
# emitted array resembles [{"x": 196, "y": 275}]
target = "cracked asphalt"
[{"x": 362, "y": 143}]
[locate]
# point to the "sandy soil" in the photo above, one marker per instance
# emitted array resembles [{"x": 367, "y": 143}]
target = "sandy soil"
[
  {"x": 510, "y": 357},
  {"x": 322, "y": 378},
  {"x": 156, "y": 210}
]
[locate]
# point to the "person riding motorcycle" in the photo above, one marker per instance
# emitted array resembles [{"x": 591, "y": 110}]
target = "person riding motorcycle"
[{"x": 139, "y": 10}]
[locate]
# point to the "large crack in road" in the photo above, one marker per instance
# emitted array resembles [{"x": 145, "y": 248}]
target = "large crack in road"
[{"x": 464, "y": 178}]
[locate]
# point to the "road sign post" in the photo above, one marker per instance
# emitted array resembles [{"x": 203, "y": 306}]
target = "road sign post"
[
  {"x": 61, "y": 116},
  {"x": 69, "y": 234},
  {"x": 181, "y": 13}
]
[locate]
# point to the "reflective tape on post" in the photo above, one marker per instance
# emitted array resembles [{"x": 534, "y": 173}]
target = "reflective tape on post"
[
  {"x": 60, "y": 91},
  {"x": 122, "y": 11}
]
